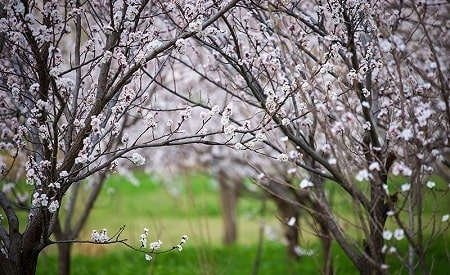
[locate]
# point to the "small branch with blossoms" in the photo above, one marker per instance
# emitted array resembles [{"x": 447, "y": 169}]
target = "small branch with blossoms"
[{"x": 153, "y": 247}]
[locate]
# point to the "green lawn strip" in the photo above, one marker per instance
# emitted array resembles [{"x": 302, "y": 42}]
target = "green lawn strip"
[
  {"x": 237, "y": 259},
  {"x": 193, "y": 209}
]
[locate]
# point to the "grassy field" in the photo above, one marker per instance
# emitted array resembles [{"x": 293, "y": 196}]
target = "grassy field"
[{"x": 190, "y": 206}]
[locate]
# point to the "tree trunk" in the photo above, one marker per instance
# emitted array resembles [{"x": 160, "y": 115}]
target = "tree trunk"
[
  {"x": 22, "y": 249},
  {"x": 291, "y": 232},
  {"x": 326, "y": 241},
  {"x": 24, "y": 264},
  {"x": 325, "y": 236},
  {"x": 229, "y": 195},
  {"x": 374, "y": 243},
  {"x": 64, "y": 252}
]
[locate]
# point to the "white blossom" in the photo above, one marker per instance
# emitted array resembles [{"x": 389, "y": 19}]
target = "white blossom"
[
  {"x": 399, "y": 234},
  {"x": 106, "y": 56},
  {"x": 143, "y": 239},
  {"x": 125, "y": 138},
  {"x": 406, "y": 134},
  {"x": 332, "y": 161},
  {"x": 374, "y": 166},
  {"x": 282, "y": 157},
  {"x": 186, "y": 113},
  {"x": 400, "y": 168},
  {"x": 154, "y": 45},
  {"x": 196, "y": 25},
  {"x": 63, "y": 174},
  {"x": 229, "y": 130},
  {"x": 181, "y": 45},
  {"x": 306, "y": 87},
  {"x": 137, "y": 159},
  {"x": 285, "y": 121},
  {"x": 155, "y": 245},
  {"x": 306, "y": 183},
  {"x": 260, "y": 137},
  {"x": 292, "y": 170},
  {"x": 39, "y": 199},
  {"x": 184, "y": 238},
  {"x": 386, "y": 188},
  {"x": 406, "y": 187},
  {"x": 214, "y": 111},
  {"x": 239, "y": 146},
  {"x": 291, "y": 221},
  {"x": 387, "y": 235},
  {"x": 101, "y": 237},
  {"x": 362, "y": 175},
  {"x": 53, "y": 207},
  {"x": 302, "y": 251},
  {"x": 250, "y": 145}
]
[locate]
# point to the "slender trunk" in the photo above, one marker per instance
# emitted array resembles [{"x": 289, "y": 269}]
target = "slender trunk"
[
  {"x": 327, "y": 254},
  {"x": 374, "y": 243},
  {"x": 325, "y": 236},
  {"x": 291, "y": 232},
  {"x": 229, "y": 195},
  {"x": 287, "y": 209},
  {"x": 259, "y": 250},
  {"x": 64, "y": 252},
  {"x": 411, "y": 252}
]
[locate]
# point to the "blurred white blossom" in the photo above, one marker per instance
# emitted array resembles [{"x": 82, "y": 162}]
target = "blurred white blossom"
[
  {"x": 137, "y": 159},
  {"x": 387, "y": 235}
]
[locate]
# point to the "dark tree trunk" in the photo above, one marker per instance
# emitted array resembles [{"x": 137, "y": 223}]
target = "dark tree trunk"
[
  {"x": 291, "y": 232},
  {"x": 327, "y": 254},
  {"x": 64, "y": 252},
  {"x": 229, "y": 196},
  {"x": 325, "y": 236},
  {"x": 374, "y": 243},
  {"x": 24, "y": 263},
  {"x": 292, "y": 235}
]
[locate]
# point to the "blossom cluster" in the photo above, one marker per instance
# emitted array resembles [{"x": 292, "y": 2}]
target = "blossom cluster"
[
  {"x": 156, "y": 245},
  {"x": 101, "y": 237}
]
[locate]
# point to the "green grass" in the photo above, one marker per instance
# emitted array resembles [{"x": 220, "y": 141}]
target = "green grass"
[
  {"x": 195, "y": 211},
  {"x": 189, "y": 205},
  {"x": 237, "y": 259},
  {"x": 192, "y": 260}
]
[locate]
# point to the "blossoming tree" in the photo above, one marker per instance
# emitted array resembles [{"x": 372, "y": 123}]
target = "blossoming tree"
[
  {"x": 358, "y": 92},
  {"x": 74, "y": 76},
  {"x": 348, "y": 95}
]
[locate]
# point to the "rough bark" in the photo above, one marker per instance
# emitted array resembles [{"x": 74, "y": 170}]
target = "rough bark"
[
  {"x": 374, "y": 243},
  {"x": 22, "y": 263}
]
